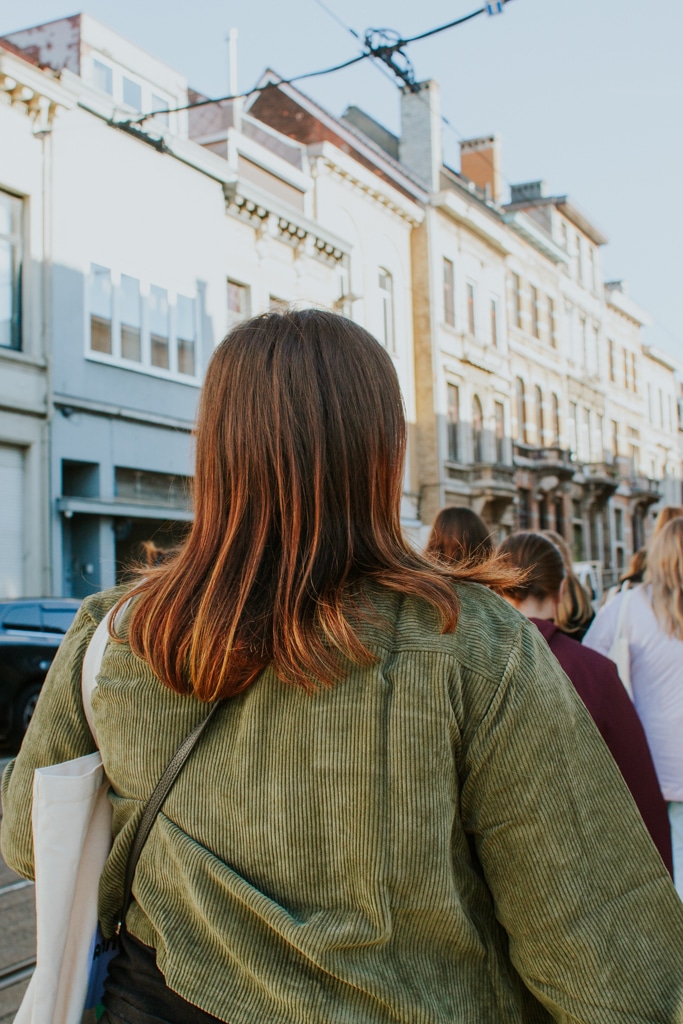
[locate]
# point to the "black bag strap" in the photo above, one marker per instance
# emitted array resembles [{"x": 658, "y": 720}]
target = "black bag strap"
[{"x": 155, "y": 803}]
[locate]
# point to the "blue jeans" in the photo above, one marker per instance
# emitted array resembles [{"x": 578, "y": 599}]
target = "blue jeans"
[{"x": 676, "y": 821}]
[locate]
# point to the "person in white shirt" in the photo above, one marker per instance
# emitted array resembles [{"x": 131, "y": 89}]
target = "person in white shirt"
[{"x": 652, "y": 623}]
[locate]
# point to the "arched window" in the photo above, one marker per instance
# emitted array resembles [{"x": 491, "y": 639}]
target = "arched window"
[
  {"x": 520, "y": 403},
  {"x": 556, "y": 419},
  {"x": 477, "y": 430},
  {"x": 538, "y": 394},
  {"x": 386, "y": 291}
]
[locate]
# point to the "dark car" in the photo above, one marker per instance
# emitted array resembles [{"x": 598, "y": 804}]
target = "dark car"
[{"x": 31, "y": 631}]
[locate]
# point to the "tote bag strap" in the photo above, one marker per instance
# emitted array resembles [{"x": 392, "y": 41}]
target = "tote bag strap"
[
  {"x": 92, "y": 663},
  {"x": 620, "y": 633},
  {"x": 155, "y": 803}
]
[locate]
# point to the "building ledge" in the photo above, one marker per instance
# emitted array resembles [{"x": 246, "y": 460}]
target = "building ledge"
[{"x": 122, "y": 508}]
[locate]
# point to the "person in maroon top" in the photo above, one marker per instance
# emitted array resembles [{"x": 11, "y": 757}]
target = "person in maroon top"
[{"x": 595, "y": 678}]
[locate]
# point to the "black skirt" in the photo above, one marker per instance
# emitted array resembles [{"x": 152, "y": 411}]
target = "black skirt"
[{"x": 136, "y": 992}]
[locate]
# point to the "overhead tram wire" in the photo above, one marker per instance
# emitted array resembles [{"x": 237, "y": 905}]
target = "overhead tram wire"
[
  {"x": 394, "y": 72},
  {"x": 384, "y": 52}
]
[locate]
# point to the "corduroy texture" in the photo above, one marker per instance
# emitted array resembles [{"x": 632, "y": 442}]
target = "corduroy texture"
[{"x": 442, "y": 838}]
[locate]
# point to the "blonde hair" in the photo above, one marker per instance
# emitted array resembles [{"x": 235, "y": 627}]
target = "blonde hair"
[
  {"x": 665, "y": 569},
  {"x": 665, "y": 516}
]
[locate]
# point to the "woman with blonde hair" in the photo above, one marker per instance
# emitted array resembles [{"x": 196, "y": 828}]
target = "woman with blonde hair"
[
  {"x": 400, "y": 810},
  {"x": 652, "y": 622},
  {"x": 575, "y": 611},
  {"x": 664, "y": 516}
]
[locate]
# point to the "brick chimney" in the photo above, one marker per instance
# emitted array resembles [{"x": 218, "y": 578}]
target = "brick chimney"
[
  {"x": 420, "y": 146},
  {"x": 480, "y": 161}
]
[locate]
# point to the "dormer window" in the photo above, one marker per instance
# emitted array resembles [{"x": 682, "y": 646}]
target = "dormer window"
[
  {"x": 103, "y": 77},
  {"x": 132, "y": 94}
]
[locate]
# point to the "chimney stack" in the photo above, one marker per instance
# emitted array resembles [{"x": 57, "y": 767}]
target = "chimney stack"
[
  {"x": 480, "y": 161},
  {"x": 420, "y": 146}
]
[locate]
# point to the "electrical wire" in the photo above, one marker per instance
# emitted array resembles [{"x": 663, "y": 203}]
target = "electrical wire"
[
  {"x": 384, "y": 53},
  {"x": 391, "y": 76}
]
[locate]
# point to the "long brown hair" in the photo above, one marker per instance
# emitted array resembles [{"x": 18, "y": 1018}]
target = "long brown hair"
[
  {"x": 458, "y": 535},
  {"x": 665, "y": 571},
  {"x": 575, "y": 612},
  {"x": 539, "y": 559},
  {"x": 300, "y": 446}
]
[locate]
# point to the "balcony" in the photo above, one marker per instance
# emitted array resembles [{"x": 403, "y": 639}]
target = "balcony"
[
  {"x": 644, "y": 491},
  {"x": 484, "y": 479},
  {"x": 602, "y": 479},
  {"x": 550, "y": 461}
]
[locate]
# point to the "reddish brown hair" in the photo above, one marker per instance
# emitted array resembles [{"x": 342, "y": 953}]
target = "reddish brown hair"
[
  {"x": 300, "y": 446},
  {"x": 540, "y": 561},
  {"x": 458, "y": 535}
]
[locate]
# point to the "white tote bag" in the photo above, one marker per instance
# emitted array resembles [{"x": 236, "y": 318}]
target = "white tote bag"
[
  {"x": 620, "y": 652},
  {"x": 72, "y": 838}
]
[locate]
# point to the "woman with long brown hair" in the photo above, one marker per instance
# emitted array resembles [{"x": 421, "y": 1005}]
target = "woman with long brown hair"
[
  {"x": 388, "y": 819},
  {"x": 459, "y": 535},
  {"x": 575, "y": 611}
]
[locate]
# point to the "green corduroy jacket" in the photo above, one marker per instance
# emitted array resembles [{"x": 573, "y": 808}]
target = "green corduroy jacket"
[{"x": 440, "y": 838}]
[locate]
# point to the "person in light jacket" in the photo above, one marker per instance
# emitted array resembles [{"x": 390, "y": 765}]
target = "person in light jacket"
[
  {"x": 652, "y": 623},
  {"x": 402, "y": 811}
]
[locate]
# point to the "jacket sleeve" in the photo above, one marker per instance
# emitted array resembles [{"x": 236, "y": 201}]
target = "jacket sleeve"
[
  {"x": 600, "y": 635},
  {"x": 595, "y": 926},
  {"x": 58, "y": 732},
  {"x": 625, "y": 737}
]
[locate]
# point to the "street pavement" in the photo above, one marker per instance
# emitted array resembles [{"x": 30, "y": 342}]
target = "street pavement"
[{"x": 17, "y": 936}]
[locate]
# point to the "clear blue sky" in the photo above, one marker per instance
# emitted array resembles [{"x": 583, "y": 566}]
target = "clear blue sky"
[{"x": 586, "y": 94}]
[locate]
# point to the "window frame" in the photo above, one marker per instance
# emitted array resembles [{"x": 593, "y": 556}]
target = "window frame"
[
  {"x": 115, "y": 357},
  {"x": 453, "y": 421},
  {"x": 448, "y": 292},
  {"x": 15, "y": 240},
  {"x": 387, "y": 311}
]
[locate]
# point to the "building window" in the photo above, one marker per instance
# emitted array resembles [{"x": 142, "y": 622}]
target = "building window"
[
  {"x": 611, "y": 355},
  {"x": 471, "y": 321},
  {"x": 584, "y": 342},
  {"x": 552, "y": 329},
  {"x": 535, "y": 323},
  {"x": 556, "y": 419},
  {"x": 627, "y": 381},
  {"x": 593, "y": 270},
  {"x": 448, "y": 292},
  {"x": 386, "y": 290},
  {"x": 494, "y": 322},
  {"x": 619, "y": 525},
  {"x": 634, "y": 375},
  {"x": 131, "y": 319},
  {"x": 239, "y": 304},
  {"x": 158, "y": 327},
  {"x": 516, "y": 300},
  {"x": 579, "y": 260},
  {"x": 132, "y": 94},
  {"x": 276, "y": 305},
  {"x": 615, "y": 439},
  {"x": 520, "y": 403},
  {"x": 600, "y": 451},
  {"x": 500, "y": 432},
  {"x": 186, "y": 335},
  {"x": 453, "y": 420},
  {"x": 573, "y": 428},
  {"x": 102, "y": 77},
  {"x": 100, "y": 309},
  {"x": 564, "y": 235},
  {"x": 11, "y": 211},
  {"x": 524, "y": 509},
  {"x": 539, "y": 416},
  {"x": 477, "y": 431},
  {"x": 160, "y": 106}
]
